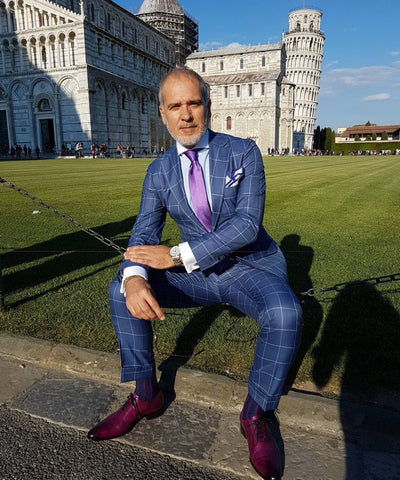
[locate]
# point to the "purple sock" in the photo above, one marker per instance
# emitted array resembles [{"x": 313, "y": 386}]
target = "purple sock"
[
  {"x": 147, "y": 388},
  {"x": 251, "y": 408}
]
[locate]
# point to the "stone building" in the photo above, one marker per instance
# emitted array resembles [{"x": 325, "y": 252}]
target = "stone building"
[
  {"x": 250, "y": 95},
  {"x": 368, "y": 132},
  {"x": 75, "y": 71},
  {"x": 268, "y": 92},
  {"x": 304, "y": 45},
  {"x": 170, "y": 18},
  {"x": 88, "y": 71}
]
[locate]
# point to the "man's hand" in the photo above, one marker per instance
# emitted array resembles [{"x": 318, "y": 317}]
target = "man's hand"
[
  {"x": 140, "y": 300},
  {"x": 154, "y": 256}
]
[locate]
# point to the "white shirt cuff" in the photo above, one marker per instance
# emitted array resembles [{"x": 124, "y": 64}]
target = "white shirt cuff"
[
  {"x": 189, "y": 262},
  {"x": 134, "y": 270}
]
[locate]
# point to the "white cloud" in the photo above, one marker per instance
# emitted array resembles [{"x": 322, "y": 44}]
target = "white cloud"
[
  {"x": 378, "y": 96},
  {"x": 234, "y": 45},
  {"x": 331, "y": 64},
  {"x": 364, "y": 76},
  {"x": 395, "y": 54},
  {"x": 218, "y": 45},
  {"x": 209, "y": 45}
]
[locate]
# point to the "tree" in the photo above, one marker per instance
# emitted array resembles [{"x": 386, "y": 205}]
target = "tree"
[
  {"x": 330, "y": 140},
  {"x": 319, "y": 138},
  {"x": 357, "y": 138},
  {"x": 385, "y": 136},
  {"x": 374, "y": 136}
]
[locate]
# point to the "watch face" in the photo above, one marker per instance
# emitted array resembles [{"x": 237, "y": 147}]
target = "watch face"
[{"x": 174, "y": 252}]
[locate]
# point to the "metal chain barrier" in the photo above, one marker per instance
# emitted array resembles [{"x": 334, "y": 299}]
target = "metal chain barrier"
[
  {"x": 312, "y": 292},
  {"x": 67, "y": 218}
]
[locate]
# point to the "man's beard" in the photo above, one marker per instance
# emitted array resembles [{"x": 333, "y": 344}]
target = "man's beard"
[{"x": 194, "y": 140}]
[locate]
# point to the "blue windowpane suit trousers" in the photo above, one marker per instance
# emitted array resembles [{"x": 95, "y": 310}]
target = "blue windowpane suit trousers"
[{"x": 263, "y": 294}]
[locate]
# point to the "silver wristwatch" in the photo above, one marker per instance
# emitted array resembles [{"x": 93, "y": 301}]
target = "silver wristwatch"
[{"x": 175, "y": 253}]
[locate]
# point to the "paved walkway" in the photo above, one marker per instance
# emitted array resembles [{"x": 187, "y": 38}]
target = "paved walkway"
[{"x": 324, "y": 439}]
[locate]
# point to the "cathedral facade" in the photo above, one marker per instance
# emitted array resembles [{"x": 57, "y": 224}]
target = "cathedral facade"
[
  {"x": 250, "y": 95},
  {"x": 79, "y": 72},
  {"x": 75, "y": 71}
]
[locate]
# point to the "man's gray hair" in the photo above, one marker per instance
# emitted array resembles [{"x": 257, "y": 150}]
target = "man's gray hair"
[{"x": 188, "y": 72}]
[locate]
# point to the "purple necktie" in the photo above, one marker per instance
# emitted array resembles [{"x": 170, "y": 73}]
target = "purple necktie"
[{"x": 198, "y": 192}]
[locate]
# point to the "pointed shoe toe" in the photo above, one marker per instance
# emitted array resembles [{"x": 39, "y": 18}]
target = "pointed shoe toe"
[{"x": 126, "y": 417}]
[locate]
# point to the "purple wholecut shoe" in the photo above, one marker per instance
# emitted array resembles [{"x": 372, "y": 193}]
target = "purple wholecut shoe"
[
  {"x": 263, "y": 449},
  {"x": 124, "y": 419}
]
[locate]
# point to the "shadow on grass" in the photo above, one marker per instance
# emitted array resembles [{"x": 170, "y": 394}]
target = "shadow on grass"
[
  {"x": 299, "y": 260},
  {"x": 60, "y": 256},
  {"x": 186, "y": 344},
  {"x": 362, "y": 335}
]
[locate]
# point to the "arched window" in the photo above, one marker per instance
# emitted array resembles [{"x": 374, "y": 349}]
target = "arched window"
[
  {"x": 22, "y": 15},
  {"x": 52, "y": 51},
  {"x": 62, "y": 49},
  {"x": 33, "y": 52},
  {"x": 72, "y": 47},
  {"x": 123, "y": 101},
  {"x": 229, "y": 123},
  {"x": 44, "y": 105},
  {"x": 44, "y": 57}
]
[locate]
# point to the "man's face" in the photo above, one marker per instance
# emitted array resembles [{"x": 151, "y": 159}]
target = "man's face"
[{"x": 183, "y": 111}]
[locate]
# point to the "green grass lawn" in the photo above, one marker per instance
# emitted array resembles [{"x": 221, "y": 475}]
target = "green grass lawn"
[{"x": 336, "y": 219}]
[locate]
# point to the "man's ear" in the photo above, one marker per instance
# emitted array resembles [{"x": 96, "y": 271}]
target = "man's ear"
[{"x": 160, "y": 109}]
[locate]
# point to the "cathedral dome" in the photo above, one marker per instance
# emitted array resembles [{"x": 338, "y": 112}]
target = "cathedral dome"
[{"x": 165, "y": 6}]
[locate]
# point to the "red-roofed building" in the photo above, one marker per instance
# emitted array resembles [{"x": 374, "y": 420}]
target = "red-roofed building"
[{"x": 349, "y": 134}]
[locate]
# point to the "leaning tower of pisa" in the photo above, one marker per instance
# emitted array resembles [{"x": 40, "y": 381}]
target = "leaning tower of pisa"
[{"x": 304, "y": 44}]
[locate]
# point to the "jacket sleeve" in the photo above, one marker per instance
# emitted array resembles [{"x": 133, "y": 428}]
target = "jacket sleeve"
[{"x": 150, "y": 221}]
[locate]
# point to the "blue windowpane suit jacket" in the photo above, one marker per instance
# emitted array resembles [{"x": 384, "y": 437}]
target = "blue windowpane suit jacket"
[{"x": 238, "y": 196}]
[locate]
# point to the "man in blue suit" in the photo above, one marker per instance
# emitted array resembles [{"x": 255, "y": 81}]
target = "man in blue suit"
[{"x": 213, "y": 186}]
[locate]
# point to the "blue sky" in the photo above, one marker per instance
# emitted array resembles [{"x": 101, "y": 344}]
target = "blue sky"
[{"x": 360, "y": 79}]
